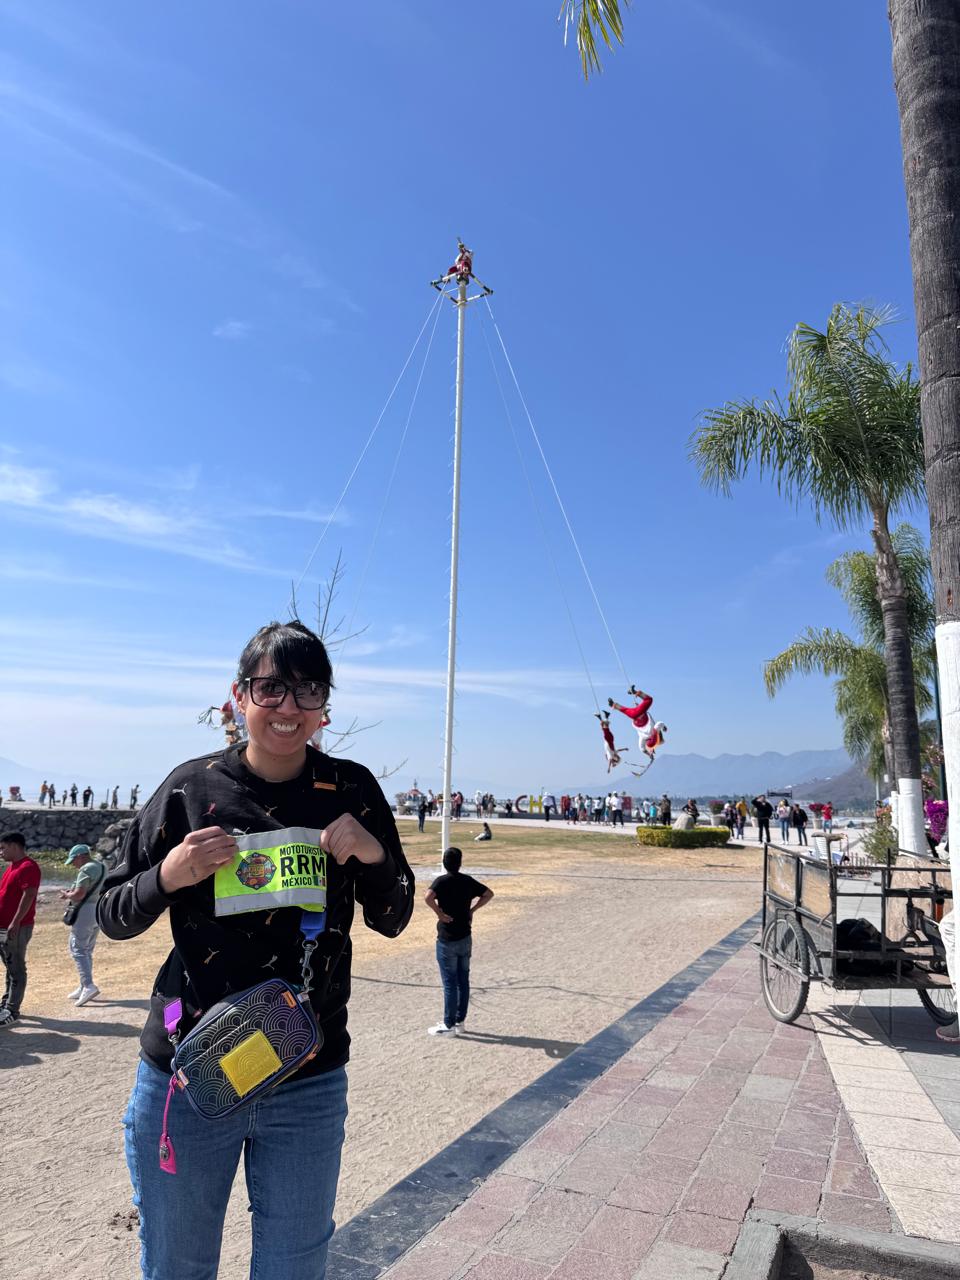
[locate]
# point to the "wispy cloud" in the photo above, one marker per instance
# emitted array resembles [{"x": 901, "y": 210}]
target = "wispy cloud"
[
  {"x": 21, "y": 374},
  {"x": 35, "y": 494},
  {"x": 175, "y": 193},
  {"x": 530, "y": 688},
  {"x": 233, "y": 330},
  {"x": 743, "y": 34},
  {"x": 400, "y": 636},
  {"x": 303, "y": 273},
  {"x": 44, "y": 109},
  {"x": 340, "y": 517},
  {"x": 34, "y": 569}
]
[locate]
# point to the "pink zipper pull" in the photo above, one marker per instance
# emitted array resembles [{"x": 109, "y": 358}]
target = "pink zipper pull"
[{"x": 168, "y": 1157}]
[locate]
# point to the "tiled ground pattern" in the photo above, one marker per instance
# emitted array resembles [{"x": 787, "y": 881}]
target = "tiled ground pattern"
[
  {"x": 648, "y": 1174},
  {"x": 900, "y": 1087}
]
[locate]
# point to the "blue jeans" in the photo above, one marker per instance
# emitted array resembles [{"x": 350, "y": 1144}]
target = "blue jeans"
[
  {"x": 454, "y": 961},
  {"x": 83, "y": 938},
  {"x": 785, "y": 830},
  {"x": 290, "y": 1141}
]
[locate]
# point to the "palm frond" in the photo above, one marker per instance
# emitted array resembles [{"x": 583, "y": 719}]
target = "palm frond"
[
  {"x": 592, "y": 21},
  {"x": 825, "y": 652},
  {"x": 847, "y": 437}
]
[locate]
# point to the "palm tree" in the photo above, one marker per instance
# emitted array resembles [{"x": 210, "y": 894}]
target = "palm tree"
[
  {"x": 848, "y": 440},
  {"x": 860, "y": 692},
  {"x": 861, "y": 697},
  {"x": 926, "y": 72}
]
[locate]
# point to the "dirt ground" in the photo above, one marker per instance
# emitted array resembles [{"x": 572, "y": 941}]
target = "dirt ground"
[{"x": 580, "y": 929}]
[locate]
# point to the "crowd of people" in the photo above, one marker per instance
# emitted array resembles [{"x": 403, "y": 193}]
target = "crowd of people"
[
  {"x": 790, "y": 816},
  {"x": 70, "y": 795},
  {"x": 615, "y": 808},
  {"x": 605, "y": 810},
  {"x": 18, "y": 907}
]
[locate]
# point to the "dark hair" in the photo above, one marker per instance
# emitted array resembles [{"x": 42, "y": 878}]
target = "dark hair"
[
  {"x": 293, "y": 650},
  {"x": 14, "y": 837},
  {"x": 452, "y": 858}
]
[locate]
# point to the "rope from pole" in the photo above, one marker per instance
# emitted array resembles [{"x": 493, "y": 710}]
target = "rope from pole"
[
  {"x": 435, "y": 306},
  {"x": 556, "y": 493},
  {"x": 390, "y": 482},
  {"x": 540, "y": 520}
]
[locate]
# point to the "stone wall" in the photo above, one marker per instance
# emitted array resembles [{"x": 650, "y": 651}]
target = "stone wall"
[{"x": 60, "y": 827}]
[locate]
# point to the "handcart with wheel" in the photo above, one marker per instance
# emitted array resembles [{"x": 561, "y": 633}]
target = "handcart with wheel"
[{"x": 853, "y": 929}]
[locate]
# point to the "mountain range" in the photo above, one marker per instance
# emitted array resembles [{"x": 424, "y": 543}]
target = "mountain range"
[
  {"x": 680, "y": 776},
  {"x": 703, "y": 776}
]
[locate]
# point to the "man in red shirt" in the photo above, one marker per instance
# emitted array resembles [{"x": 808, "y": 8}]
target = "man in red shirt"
[{"x": 18, "y": 906}]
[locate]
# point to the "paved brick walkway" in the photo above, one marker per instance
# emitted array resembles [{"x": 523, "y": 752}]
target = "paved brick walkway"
[
  {"x": 649, "y": 1172},
  {"x": 900, "y": 1087}
]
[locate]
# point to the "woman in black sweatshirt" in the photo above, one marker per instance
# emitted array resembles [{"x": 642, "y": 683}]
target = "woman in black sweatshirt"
[{"x": 233, "y": 929}]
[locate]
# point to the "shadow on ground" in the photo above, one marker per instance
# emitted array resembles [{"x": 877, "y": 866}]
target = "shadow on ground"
[
  {"x": 552, "y": 1048},
  {"x": 26, "y": 1043}
]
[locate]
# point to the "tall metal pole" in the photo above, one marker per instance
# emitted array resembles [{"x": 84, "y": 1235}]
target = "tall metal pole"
[{"x": 454, "y": 569}]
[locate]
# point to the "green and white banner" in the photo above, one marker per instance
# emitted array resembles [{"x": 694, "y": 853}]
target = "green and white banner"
[{"x": 285, "y": 868}]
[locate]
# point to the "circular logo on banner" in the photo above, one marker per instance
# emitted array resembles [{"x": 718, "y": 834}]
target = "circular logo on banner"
[{"x": 256, "y": 871}]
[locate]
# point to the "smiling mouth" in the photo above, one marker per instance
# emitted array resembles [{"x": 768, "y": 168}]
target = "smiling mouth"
[{"x": 283, "y": 727}]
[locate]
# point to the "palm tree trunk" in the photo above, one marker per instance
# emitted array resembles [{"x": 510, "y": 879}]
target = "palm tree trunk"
[
  {"x": 901, "y": 690},
  {"x": 889, "y": 766},
  {"x": 926, "y": 71}
]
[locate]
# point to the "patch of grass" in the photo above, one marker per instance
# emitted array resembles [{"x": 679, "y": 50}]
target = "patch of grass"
[
  {"x": 511, "y": 844},
  {"x": 52, "y": 864},
  {"x": 545, "y": 849}
]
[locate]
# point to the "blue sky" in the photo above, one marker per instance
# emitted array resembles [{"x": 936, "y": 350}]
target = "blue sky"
[{"x": 219, "y": 226}]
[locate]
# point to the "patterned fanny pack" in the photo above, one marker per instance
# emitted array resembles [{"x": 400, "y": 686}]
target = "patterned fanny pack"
[{"x": 242, "y": 1047}]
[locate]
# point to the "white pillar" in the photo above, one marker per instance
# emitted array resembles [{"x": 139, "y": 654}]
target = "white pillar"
[
  {"x": 911, "y": 830},
  {"x": 948, "y": 664},
  {"x": 454, "y": 569}
]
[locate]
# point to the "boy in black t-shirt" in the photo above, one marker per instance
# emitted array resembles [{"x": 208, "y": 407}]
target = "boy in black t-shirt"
[{"x": 454, "y": 898}]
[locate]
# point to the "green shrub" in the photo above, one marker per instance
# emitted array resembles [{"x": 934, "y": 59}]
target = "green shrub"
[
  {"x": 696, "y": 838},
  {"x": 880, "y": 840}
]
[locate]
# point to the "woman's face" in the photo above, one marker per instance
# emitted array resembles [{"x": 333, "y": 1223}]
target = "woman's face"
[{"x": 282, "y": 731}]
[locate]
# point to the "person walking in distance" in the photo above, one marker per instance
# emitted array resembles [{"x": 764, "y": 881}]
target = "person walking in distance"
[
  {"x": 87, "y": 796},
  {"x": 764, "y": 811},
  {"x": 783, "y": 817},
  {"x": 73, "y": 795},
  {"x": 741, "y": 808},
  {"x": 453, "y": 898},
  {"x": 421, "y": 812},
  {"x": 84, "y": 929},
  {"x": 798, "y": 817},
  {"x": 18, "y": 906},
  {"x": 617, "y": 803}
]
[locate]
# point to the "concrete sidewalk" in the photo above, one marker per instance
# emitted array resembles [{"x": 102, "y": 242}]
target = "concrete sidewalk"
[{"x": 650, "y": 1170}]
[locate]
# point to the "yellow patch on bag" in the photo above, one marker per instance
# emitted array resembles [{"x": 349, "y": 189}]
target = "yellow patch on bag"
[{"x": 250, "y": 1063}]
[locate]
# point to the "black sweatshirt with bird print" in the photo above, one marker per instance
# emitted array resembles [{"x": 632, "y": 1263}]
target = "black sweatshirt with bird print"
[{"x": 214, "y": 956}]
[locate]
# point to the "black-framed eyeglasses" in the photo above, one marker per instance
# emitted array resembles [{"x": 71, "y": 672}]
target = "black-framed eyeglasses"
[{"x": 268, "y": 691}]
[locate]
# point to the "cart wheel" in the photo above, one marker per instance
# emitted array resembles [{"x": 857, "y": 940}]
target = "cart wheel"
[
  {"x": 940, "y": 1003},
  {"x": 785, "y": 988}
]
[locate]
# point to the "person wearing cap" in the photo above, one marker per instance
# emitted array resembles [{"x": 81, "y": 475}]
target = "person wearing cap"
[{"x": 84, "y": 930}]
